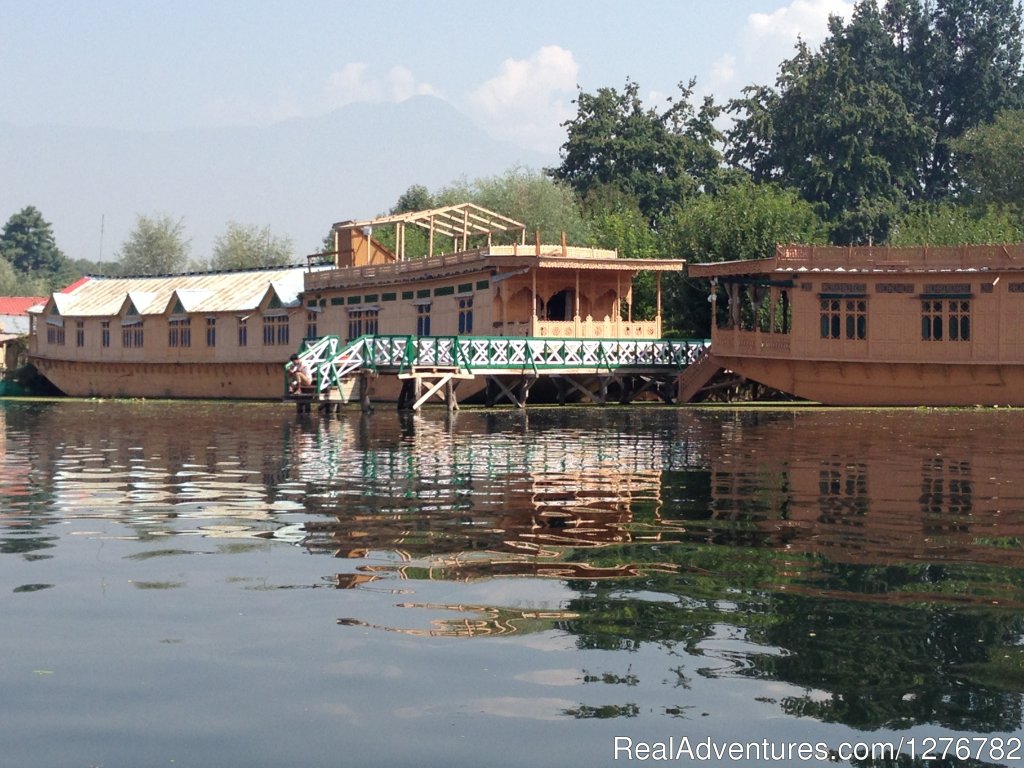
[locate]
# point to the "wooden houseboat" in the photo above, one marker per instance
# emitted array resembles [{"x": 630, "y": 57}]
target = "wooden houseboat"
[
  {"x": 229, "y": 334},
  {"x": 202, "y": 335},
  {"x": 872, "y": 326}
]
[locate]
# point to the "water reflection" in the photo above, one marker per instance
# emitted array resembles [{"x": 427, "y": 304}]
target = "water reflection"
[{"x": 869, "y": 560}]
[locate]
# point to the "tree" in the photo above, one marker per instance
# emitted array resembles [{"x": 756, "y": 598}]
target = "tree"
[
  {"x": 656, "y": 159},
  {"x": 952, "y": 224},
  {"x": 837, "y": 129},
  {"x": 28, "y": 244},
  {"x": 249, "y": 247},
  {"x": 415, "y": 198},
  {"x": 865, "y": 124},
  {"x": 990, "y": 158},
  {"x": 544, "y": 205},
  {"x": 155, "y": 247},
  {"x": 531, "y": 197},
  {"x": 742, "y": 221},
  {"x": 972, "y": 72}
]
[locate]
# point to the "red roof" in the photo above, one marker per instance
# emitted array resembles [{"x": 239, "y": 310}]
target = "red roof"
[
  {"x": 18, "y": 305},
  {"x": 77, "y": 283}
]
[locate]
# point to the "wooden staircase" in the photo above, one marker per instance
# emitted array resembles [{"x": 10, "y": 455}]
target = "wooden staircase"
[{"x": 696, "y": 376}]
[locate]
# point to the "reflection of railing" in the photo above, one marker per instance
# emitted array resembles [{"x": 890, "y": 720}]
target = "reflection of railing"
[{"x": 331, "y": 361}]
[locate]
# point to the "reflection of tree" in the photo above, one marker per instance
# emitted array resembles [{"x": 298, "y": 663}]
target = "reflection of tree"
[
  {"x": 863, "y": 664},
  {"x": 895, "y": 667}
]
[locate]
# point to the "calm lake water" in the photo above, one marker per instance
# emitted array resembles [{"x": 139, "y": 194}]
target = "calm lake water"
[{"x": 224, "y": 585}]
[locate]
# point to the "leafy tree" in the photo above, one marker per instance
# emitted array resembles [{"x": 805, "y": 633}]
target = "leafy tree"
[
  {"x": 415, "y": 198},
  {"x": 28, "y": 244},
  {"x": 837, "y": 129},
  {"x": 528, "y": 196},
  {"x": 247, "y": 247},
  {"x": 156, "y": 246},
  {"x": 531, "y": 197},
  {"x": 15, "y": 283},
  {"x": 865, "y": 125},
  {"x": 742, "y": 221},
  {"x": 952, "y": 224},
  {"x": 972, "y": 72},
  {"x": 657, "y": 159},
  {"x": 991, "y": 160}
]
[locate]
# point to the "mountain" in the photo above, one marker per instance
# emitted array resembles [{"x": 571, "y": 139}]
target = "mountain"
[{"x": 296, "y": 177}]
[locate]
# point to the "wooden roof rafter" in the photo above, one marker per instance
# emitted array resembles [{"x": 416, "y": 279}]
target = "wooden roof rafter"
[{"x": 459, "y": 222}]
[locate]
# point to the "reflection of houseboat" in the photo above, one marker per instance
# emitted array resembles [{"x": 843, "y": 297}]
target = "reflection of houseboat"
[
  {"x": 227, "y": 334},
  {"x": 874, "y": 326}
]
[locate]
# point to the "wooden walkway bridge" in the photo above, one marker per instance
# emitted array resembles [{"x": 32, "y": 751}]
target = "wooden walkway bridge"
[{"x": 497, "y": 367}]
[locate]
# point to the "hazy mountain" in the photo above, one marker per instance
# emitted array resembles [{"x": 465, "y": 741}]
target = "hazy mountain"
[{"x": 297, "y": 176}]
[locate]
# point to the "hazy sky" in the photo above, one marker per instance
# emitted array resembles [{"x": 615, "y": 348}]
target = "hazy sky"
[{"x": 513, "y": 67}]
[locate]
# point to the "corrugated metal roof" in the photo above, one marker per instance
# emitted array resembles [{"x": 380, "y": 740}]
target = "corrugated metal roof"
[
  {"x": 198, "y": 292},
  {"x": 18, "y": 305}
]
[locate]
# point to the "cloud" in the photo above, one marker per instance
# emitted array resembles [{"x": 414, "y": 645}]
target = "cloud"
[
  {"x": 529, "y": 99},
  {"x": 804, "y": 19},
  {"x": 769, "y": 38},
  {"x": 355, "y": 82}
]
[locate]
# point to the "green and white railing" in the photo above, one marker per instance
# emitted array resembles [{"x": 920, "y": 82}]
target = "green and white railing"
[{"x": 331, "y": 361}]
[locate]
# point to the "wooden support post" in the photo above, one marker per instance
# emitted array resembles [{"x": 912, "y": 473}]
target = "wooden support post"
[
  {"x": 364, "y": 393},
  {"x": 449, "y": 396},
  {"x": 524, "y": 395},
  {"x": 563, "y": 390},
  {"x": 406, "y": 397}
]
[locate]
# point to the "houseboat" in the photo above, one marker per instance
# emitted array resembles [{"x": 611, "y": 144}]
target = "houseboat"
[
  {"x": 455, "y": 271},
  {"x": 200, "y": 335},
  {"x": 872, "y": 326}
]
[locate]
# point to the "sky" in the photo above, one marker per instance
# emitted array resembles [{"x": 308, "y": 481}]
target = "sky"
[
  {"x": 513, "y": 67},
  {"x": 119, "y": 70}
]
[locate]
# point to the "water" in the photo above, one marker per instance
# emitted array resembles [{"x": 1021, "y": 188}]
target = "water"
[{"x": 189, "y": 584}]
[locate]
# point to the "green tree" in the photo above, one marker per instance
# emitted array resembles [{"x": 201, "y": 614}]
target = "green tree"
[
  {"x": 15, "y": 283},
  {"x": 415, "y": 198},
  {"x": 28, "y": 244},
  {"x": 742, "y": 221},
  {"x": 656, "y": 159},
  {"x": 991, "y": 160},
  {"x": 952, "y": 224},
  {"x": 248, "y": 247},
  {"x": 529, "y": 196},
  {"x": 972, "y": 71},
  {"x": 157, "y": 246},
  {"x": 837, "y": 129}
]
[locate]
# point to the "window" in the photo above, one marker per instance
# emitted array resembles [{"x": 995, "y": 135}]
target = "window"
[
  {"x": 55, "y": 334},
  {"x": 465, "y": 316},
  {"x": 370, "y": 326},
  {"x": 105, "y": 333},
  {"x": 844, "y": 318},
  {"x": 355, "y": 323},
  {"x": 179, "y": 332},
  {"x": 423, "y": 319},
  {"x": 243, "y": 332},
  {"x": 311, "y": 318},
  {"x": 211, "y": 331},
  {"x": 275, "y": 330},
  {"x": 132, "y": 335},
  {"x": 950, "y": 315},
  {"x": 79, "y": 333}
]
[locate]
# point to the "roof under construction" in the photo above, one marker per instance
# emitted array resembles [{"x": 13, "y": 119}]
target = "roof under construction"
[{"x": 459, "y": 222}]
